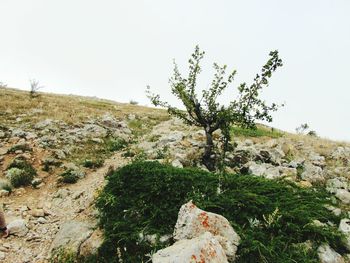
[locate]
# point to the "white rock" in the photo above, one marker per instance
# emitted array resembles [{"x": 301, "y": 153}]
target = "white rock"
[
  {"x": 312, "y": 173},
  {"x": 344, "y": 227},
  {"x": 328, "y": 255},
  {"x": 343, "y": 195},
  {"x": 204, "y": 248},
  {"x": 192, "y": 222},
  {"x": 18, "y": 228},
  {"x": 177, "y": 163}
]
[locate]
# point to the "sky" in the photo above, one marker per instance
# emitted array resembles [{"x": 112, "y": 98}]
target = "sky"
[{"x": 113, "y": 49}]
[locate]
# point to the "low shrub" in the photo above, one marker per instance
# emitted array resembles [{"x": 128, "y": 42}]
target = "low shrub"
[
  {"x": 144, "y": 198},
  {"x": 69, "y": 177},
  {"x": 116, "y": 144},
  {"x": 20, "y": 147},
  {"x": 93, "y": 163},
  {"x": 20, "y": 172},
  {"x": 5, "y": 185}
]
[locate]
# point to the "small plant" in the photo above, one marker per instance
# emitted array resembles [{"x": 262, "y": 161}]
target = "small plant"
[
  {"x": 69, "y": 177},
  {"x": 116, "y": 144},
  {"x": 64, "y": 256},
  {"x": 162, "y": 153},
  {"x": 312, "y": 133},
  {"x": 19, "y": 177},
  {"x": 129, "y": 153},
  {"x": 272, "y": 219},
  {"x": 34, "y": 88},
  {"x": 20, "y": 147},
  {"x": 20, "y": 172},
  {"x": 93, "y": 163},
  {"x": 6, "y": 185}
]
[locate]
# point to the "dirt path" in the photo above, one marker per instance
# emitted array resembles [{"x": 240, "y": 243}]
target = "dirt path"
[{"x": 59, "y": 205}]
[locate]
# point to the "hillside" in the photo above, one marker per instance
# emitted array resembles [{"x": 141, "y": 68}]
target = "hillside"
[{"x": 57, "y": 150}]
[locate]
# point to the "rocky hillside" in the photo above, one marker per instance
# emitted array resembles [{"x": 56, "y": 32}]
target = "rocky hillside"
[{"x": 56, "y": 150}]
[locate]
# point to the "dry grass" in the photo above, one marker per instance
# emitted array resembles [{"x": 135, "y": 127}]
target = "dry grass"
[{"x": 68, "y": 108}]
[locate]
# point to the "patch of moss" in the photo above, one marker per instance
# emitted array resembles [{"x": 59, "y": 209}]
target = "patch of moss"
[{"x": 145, "y": 197}]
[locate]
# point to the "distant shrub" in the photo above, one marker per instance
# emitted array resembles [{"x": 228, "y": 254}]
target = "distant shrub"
[
  {"x": 34, "y": 88},
  {"x": 93, "y": 163},
  {"x": 258, "y": 132},
  {"x": 312, "y": 133},
  {"x": 133, "y": 102},
  {"x": 272, "y": 217}
]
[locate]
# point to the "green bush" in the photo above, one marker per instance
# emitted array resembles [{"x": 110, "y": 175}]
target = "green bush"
[
  {"x": 20, "y": 172},
  {"x": 116, "y": 144},
  {"x": 93, "y": 163},
  {"x": 69, "y": 177},
  {"x": 145, "y": 197}
]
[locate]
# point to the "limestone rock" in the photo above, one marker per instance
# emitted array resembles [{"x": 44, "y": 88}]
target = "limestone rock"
[
  {"x": 312, "y": 173},
  {"x": 90, "y": 246},
  {"x": 328, "y": 255},
  {"x": 204, "y": 248},
  {"x": 343, "y": 195},
  {"x": 344, "y": 227},
  {"x": 70, "y": 236},
  {"x": 192, "y": 222},
  {"x": 18, "y": 228}
]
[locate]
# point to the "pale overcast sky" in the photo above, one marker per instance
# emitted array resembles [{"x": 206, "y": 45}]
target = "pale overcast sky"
[{"x": 113, "y": 49}]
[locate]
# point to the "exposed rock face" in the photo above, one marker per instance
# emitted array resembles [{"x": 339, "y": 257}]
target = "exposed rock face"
[
  {"x": 192, "y": 222},
  {"x": 328, "y": 255},
  {"x": 204, "y": 248},
  {"x": 70, "y": 236},
  {"x": 90, "y": 246}
]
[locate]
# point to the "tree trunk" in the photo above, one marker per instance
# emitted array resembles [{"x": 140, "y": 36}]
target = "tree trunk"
[{"x": 208, "y": 161}]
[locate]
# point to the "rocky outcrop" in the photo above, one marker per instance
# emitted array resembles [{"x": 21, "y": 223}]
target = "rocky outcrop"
[
  {"x": 201, "y": 237},
  {"x": 204, "y": 248}
]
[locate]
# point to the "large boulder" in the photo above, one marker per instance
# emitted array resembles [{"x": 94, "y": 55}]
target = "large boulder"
[
  {"x": 328, "y": 255},
  {"x": 204, "y": 248},
  {"x": 193, "y": 222}
]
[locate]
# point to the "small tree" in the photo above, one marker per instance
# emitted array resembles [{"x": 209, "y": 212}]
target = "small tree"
[
  {"x": 34, "y": 88},
  {"x": 207, "y": 113}
]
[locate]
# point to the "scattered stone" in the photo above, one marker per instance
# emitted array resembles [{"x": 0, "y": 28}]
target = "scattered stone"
[
  {"x": 37, "y": 213},
  {"x": 177, "y": 163},
  {"x": 4, "y": 193},
  {"x": 204, "y": 248}
]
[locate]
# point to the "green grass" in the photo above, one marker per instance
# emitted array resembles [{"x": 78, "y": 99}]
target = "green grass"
[
  {"x": 145, "y": 197},
  {"x": 258, "y": 132}
]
